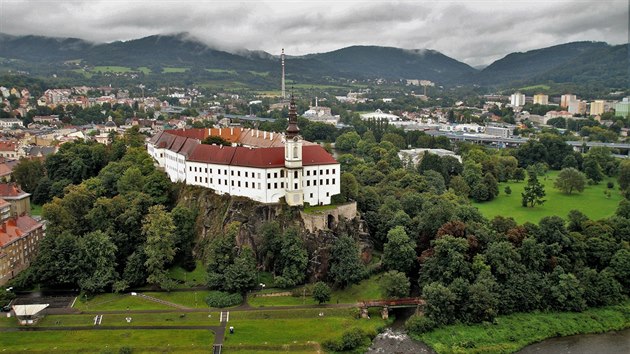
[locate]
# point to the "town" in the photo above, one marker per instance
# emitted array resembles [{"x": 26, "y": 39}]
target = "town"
[{"x": 175, "y": 188}]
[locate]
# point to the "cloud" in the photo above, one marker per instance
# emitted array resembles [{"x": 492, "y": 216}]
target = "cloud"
[{"x": 476, "y": 32}]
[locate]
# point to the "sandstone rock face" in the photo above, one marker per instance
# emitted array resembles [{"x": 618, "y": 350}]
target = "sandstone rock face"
[{"x": 319, "y": 229}]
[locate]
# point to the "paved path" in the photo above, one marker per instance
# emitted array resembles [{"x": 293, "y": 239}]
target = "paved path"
[{"x": 214, "y": 329}]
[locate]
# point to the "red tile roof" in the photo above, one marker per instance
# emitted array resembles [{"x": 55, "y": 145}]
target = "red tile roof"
[
  {"x": 11, "y": 190},
  {"x": 8, "y": 146},
  {"x": 16, "y": 228},
  {"x": 259, "y": 158}
]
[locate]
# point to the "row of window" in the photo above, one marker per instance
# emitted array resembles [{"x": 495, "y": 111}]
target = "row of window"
[
  {"x": 257, "y": 175},
  {"x": 253, "y": 184}
]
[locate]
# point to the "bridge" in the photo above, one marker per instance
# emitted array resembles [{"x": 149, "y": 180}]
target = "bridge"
[
  {"x": 496, "y": 141},
  {"x": 387, "y": 304}
]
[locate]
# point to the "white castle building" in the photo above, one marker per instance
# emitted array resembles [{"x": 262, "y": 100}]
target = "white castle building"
[{"x": 260, "y": 165}]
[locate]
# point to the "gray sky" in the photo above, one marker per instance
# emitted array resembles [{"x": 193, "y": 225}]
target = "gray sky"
[{"x": 475, "y": 32}]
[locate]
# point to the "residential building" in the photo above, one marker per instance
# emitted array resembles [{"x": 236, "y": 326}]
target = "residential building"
[
  {"x": 541, "y": 99},
  {"x": 9, "y": 149},
  {"x": 19, "y": 243},
  {"x": 19, "y": 200},
  {"x": 517, "y": 99},
  {"x": 262, "y": 166},
  {"x": 8, "y": 123},
  {"x": 566, "y": 99},
  {"x": 622, "y": 108},
  {"x": 499, "y": 131},
  {"x": 577, "y": 107},
  {"x": 597, "y": 107},
  {"x": 378, "y": 114}
]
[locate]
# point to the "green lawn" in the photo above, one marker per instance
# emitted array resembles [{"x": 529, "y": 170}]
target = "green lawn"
[
  {"x": 138, "y": 319},
  {"x": 109, "y": 341},
  {"x": 513, "y": 332},
  {"x": 113, "y": 302},
  {"x": 192, "y": 299},
  {"x": 536, "y": 87},
  {"x": 189, "y": 279},
  {"x": 36, "y": 209},
  {"x": 144, "y": 70},
  {"x": 592, "y": 202},
  {"x": 259, "y": 73},
  {"x": 296, "y": 330},
  {"x": 365, "y": 290},
  {"x": 226, "y": 71},
  {"x": 174, "y": 70},
  {"x": 315, "y": 208},
  {"x": 112, "y": 69}
]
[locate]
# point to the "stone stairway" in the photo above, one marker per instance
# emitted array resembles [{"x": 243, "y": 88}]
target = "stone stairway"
[{"x": 163, "y": 302}]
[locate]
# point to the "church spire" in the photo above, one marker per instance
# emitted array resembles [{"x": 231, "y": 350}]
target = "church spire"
[{"x": 292, "y": 130}]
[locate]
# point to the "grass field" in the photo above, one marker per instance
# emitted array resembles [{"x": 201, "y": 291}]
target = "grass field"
[
  {"x": 36, "y": 209},
  {"x": 226, "y": 71},
  {"x": 513, "y": 332},
  {"x": 365, "y": 290},
  {"x": 138, "y": 319},
  {"x": 192, "y": 299},
  {"x": 173, "y": 70},
  {"x": 113, "y": 302},
  {"x": 144, "y": 70},
  {"x": 109, "y": 341},
  {"x": 536, "y": 87},
  {"x": 592, "y": 202},
  {"x": 112, "y": 69},
  {"x": 188, "y": 279},
  {"x": 297, "y": 331},
  {"x": 259, "y": 73}
]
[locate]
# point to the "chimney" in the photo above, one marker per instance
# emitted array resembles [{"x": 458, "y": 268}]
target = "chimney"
[
  {"x": 252, "y": 132},
  {"x": 315, "y": 101},
  {"x": 264, "y": 135},
  {"x": 231, "y": 131},
  {"x": 219, "y": 131},
  {"x": 270, "y": 136},
  {"x": 257, "y": 133}
]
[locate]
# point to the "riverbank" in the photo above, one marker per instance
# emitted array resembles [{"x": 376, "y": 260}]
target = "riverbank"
[{"x": 514, "y": 332}]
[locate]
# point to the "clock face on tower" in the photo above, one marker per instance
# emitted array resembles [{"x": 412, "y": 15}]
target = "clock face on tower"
[{"x": 295, "y": 138}]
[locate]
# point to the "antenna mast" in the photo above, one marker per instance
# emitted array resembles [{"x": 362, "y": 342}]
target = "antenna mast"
[{"x": 282, "y": 59}]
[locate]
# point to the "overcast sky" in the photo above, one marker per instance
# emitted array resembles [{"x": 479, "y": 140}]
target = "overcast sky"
[{"x": 475, "y": 32}]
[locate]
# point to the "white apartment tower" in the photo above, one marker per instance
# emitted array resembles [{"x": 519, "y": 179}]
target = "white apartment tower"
[
  {"x": 293, "y": 159},
  {"x": 517, "y": 99}
]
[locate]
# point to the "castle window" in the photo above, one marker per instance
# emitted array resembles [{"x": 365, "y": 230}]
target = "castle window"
[
  {"x": 232, "y": 183},
  {"x": 321, "y": 182},
  {"x": 308, "y": 183},
  {"x": 190, "y": 168},
  {"x": 218, "y": 171},
  {"x": 210, "y": 180},
  {"x": 195, "y": 178},
  {"x": 327, "y": 181},
  {"x": 258, "y": 185},
  {"x": 206, "y": 170},
  {"x": 258, "y": 175},
  {"x": 311, "y": 195},
  {"x": 275, "y": 175},
  {"x": 268, "y": 185},
  {"x": 327, "y": 171},
  {"x": 308, "y": 173},
  {"x": 268, "y": 175},
  {"x": 314, "y": 182},
  {"x": 206, "y": 180},
  {"x": 225, "y": 182},
  {"x": 333, "y": 181},
  {"x": 295, "y": 186},
  {"x": 245, "y": 173},
  {"x": 281, "y": 184},
  {"x": 232, "y": 172},
  {"x": 295, "y": 152},
  {"x": 246, "y": 184},
  {"x": 334, "y": 171},
  {"x": 239, "y": 173},
  {"x": 295, "y": 174},
  {"x": 275, "y": 185},
  {"x": 239, "y": 183},
  {"x": 282, "y": 173}
]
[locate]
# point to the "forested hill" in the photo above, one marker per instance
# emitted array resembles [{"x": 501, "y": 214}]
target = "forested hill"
[
  {"x": 388, "y": 62},
  {"x": 578, "y": 62},
  {"x": 539, "y": 62}
]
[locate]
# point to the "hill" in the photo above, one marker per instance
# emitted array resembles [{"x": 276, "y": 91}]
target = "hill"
[
  {"x": 394, "y": 63},
  {"x": 516, "y": 67}
]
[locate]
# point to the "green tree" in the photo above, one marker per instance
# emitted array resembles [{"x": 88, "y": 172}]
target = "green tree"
[
  {"x": 241, "y": 275},
  {"x": 534, "y": 192},
  {"x": 321, "y": 292},
  {"x": 57, "y": 262},
  {"x": 216, "y": 140},
  {"x": 519, "y": 174},
  {"x": 459, "y": 186},
  {"x": 448, "y": 261},
  {"x": 292, "y": 261},
  {"x": 345, "y": 264},
  {"x": 27, "y": 173},
  {"x": 395, "y": 284},
  {"x": 184, "y": 221},
  {"x": 132, "y": 180},
  {"x": 349, "y": 187},
  {"x": 97, "y": 260},
  {"x": 399, "y": 251},
  {"x": 507, "y": 190},
  {"x": 158, "y": 228},
  {"x": 592, "y": 169},
  {"x": 441, "y": 303},
  {"x": 570, "y": 179},
  {"x": 347, "y": 141},
  {"x": 624, "y": 175},
  {"x": 220, "y": 255}
]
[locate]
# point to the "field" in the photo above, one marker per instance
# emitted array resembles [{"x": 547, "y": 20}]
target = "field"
[
  {"x": 114, "y": 302},
  {"x": 513, "y": 332},
  {"x": 189, "y": 279},
  {"x": 192, "y": 299},
  {"x": 109, "y": 341},
  {"x": 174, "y": 70},
  {"x": 36, "y": 209},
  {"x": 592, "y": 202},
  {"x": 296, "y": 330},
  {"x": 137, "y": 319},
  {"x": 536, "y": 87},
  {"x": 226, "y": 71},
  {"x": 112, "y": 69},
  {"x": 366, "y": 290}
]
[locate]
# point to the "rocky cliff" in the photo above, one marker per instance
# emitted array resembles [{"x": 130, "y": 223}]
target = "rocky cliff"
[{"x": 318, "y": 228}]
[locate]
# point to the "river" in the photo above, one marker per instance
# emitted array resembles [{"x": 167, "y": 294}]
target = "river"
[{"x": 608, "y": 343}]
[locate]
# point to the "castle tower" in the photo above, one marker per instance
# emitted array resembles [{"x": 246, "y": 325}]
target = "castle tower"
[
  {"x": 293, "y": 159},
  {"x": 284, "y": 97}
]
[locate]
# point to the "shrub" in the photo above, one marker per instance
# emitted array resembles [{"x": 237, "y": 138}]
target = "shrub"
[
  {"x": 223, "y": 299},
  {"x": 419, "y": 324},
  {"x": 125, "y": 350},
  {"x": 610, "y": 185},
  {"x": 350, "y": 340}
]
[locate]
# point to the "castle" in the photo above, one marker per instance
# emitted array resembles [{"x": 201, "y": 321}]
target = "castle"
[{"x": 260, "y": 165}]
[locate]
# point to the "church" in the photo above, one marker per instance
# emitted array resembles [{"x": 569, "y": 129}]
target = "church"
[{"x": 259, "y": 165}]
